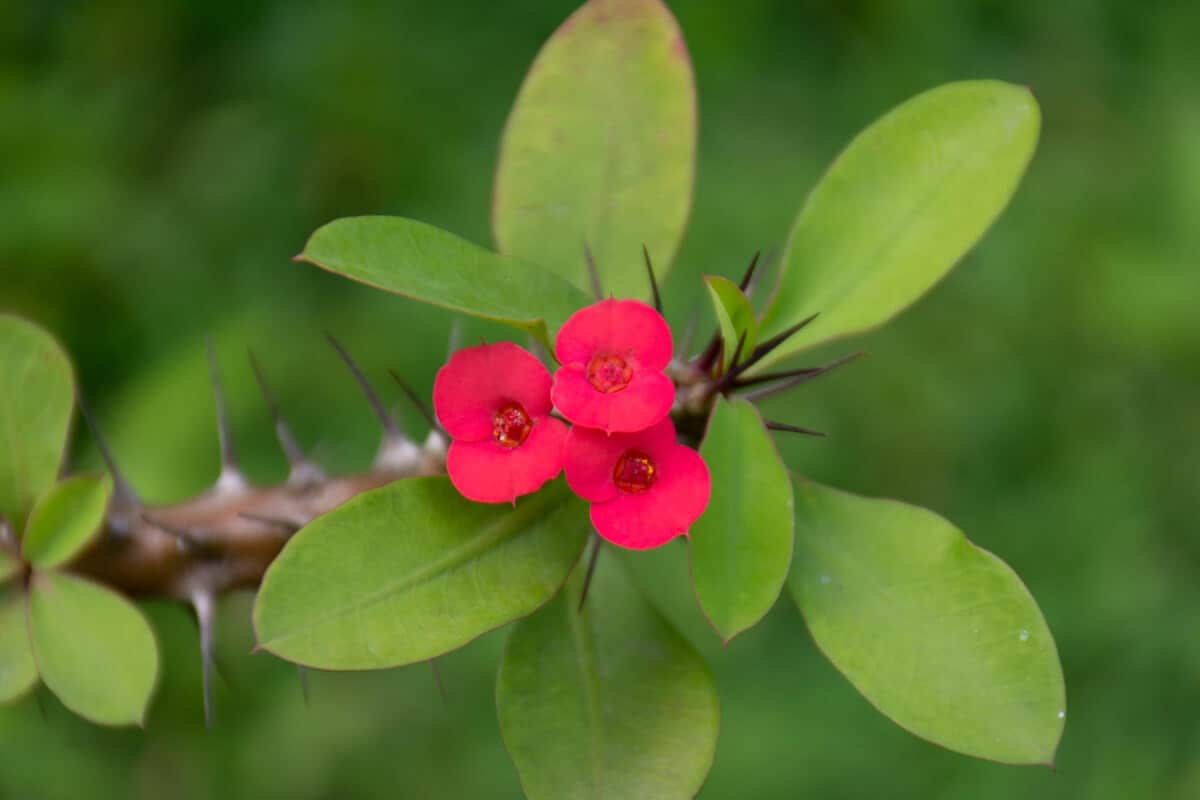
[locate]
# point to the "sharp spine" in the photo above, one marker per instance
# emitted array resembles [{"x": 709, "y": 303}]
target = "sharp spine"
[
  {"x": 413, "y": 398},
  {"x": 593, "y": 272},
  {"x": 204, "y": 604},
  {"x": 397, "y": 450},
  {"x": 783, "y": 426},
  {"x": 123, "y": 494},
  {"x": 791, "y": 379},
  {"x": 769, "y": 345},
  {"x": 231, "y": 478},
  {"x": 302, "y": 471},
  {"x": 745, "y": 284},
  {"x": 658, "y": 304},
  {"x": 597, "y": 542}
]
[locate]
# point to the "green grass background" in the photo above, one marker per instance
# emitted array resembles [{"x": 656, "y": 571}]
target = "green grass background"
[{"x": 161, "y": 161}]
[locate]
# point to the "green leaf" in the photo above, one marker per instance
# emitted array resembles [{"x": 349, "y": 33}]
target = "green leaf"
[
  {"x": 414, "y": 570},
  {"x": 901, "y": 204},
  {"x": 742, "y": 546},
  {"x": 425, "y": 263},
  {"x": 37, "y": 392},
  {"x": 735, "y": 316},
  {"x": 18, "y": 672},
  {"x": 600, "y": 148},
  {"x": 937, "y": 633},
  {"x": 94, "y": 648},
  {"x": 607, "y": 703},
  {"x": 65, "y": 519}
]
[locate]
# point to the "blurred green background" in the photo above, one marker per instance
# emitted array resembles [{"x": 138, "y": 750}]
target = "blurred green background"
[{"x": 161, "y": 161}]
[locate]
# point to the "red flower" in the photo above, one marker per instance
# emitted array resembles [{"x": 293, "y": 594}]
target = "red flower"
[
  {"x": 613, "y": 354},
  {"x": 645, "y": 489},
  {"x": 494, "y": 401}
]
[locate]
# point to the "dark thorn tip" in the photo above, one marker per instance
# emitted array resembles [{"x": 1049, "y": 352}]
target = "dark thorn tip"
[
  {"x": 783, "y": 426},
  {"x": 658, "y": 304},
  {"x": 287, "y": 440},
  {"x": 415, "y": 399},
  {"x": 123, "y": 492},
  {"x": 593, "y": 272},
  {"x": 390, "y": 428},
  {"x": 224, "y": 429},
  {"x": 744, "y": 285},
  {"x": 591, "y": 570}
]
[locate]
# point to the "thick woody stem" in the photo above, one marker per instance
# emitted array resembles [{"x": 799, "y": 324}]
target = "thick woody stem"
[{"x": 231, "y": 536}]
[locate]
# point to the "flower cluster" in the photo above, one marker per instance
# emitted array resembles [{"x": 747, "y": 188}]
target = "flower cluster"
[{"x": 495, "y": 402}]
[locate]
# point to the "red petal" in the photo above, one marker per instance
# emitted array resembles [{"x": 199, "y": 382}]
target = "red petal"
[
  {"x": 477, "y": 381},
  {"x": 627, "y": 328},
  {"x": 644, "y": 402},
  {"x": 589, "y": 456},
  {"x": 655, "y": 517},
  {"x": 489, "y": 473}
]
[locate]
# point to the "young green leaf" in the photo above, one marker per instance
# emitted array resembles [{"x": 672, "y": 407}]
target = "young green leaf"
[
  {"x": 413, "y": 570},
  {"x": 93, "y": 647},
  {"x": 37, "y": 392},
  {"x": 607, "y": 703},
  {"x": 735, "y": 316},
  {"x": 65, "y": 519},
  {"x": 900, "y": 206},
  {"x": 425, "y": 263},
  {"x": 599, "y": 150},
  {"x": 742, "y": 547},
  {"x": 18, "y": 672},
  {"x": 940, "y": 635}
]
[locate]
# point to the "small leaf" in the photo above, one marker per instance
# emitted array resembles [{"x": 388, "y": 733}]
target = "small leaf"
[
  {"x": 65, "y": 520},
  {"x": 900, "y": 206},
  {"x": 937, "y": 633},
  {"x": 94, "y": 648},
  {"x": 742, "y": 547},
  {"x": 18, "y": 672},
  {"x": 37, "y": 392},
  {"x": 425, "y": 263},
  {"x": 413, "y": 570},
  {"x": 600, "y": 148},
  {"x": 607, "y": 703},
  {"x": 735, "y": 316}
]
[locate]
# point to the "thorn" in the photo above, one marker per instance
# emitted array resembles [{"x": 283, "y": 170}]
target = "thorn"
[
  {"x": 791, "y": 379},
  {"x": 390, "y": 429},
  {"x": 591, "y": 569},
  {"x": 302, "y": 674},
  {"x": 437, "y": 678},
  {"x": 593, "y": 272},
  {"x": 658, "y": 305},
  {"x": 737, "y": 351},
  {"x": 708, "y": 357},
  {"x": 286, "y": 525},
  {"x": 778, "y": 339},
  {"x": 204, "y": 605},
  {"x": 685, "y": 341},
  {"x": 783, "y": 426},
  {"x": 749, "y": 276},
  {"x": 123, "y": 493},
  {"x": 303, "y": 471},
  {"x": 425, "y": 410},
  {"x": 231, "y": 476},
  {"x": 454, "y": 340}
]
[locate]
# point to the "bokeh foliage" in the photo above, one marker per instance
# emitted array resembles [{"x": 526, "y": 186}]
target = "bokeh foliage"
[{"x": 162, "y": 161}]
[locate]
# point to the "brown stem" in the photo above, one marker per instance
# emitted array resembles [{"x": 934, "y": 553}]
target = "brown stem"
[{"x": 224, "y": 539}]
